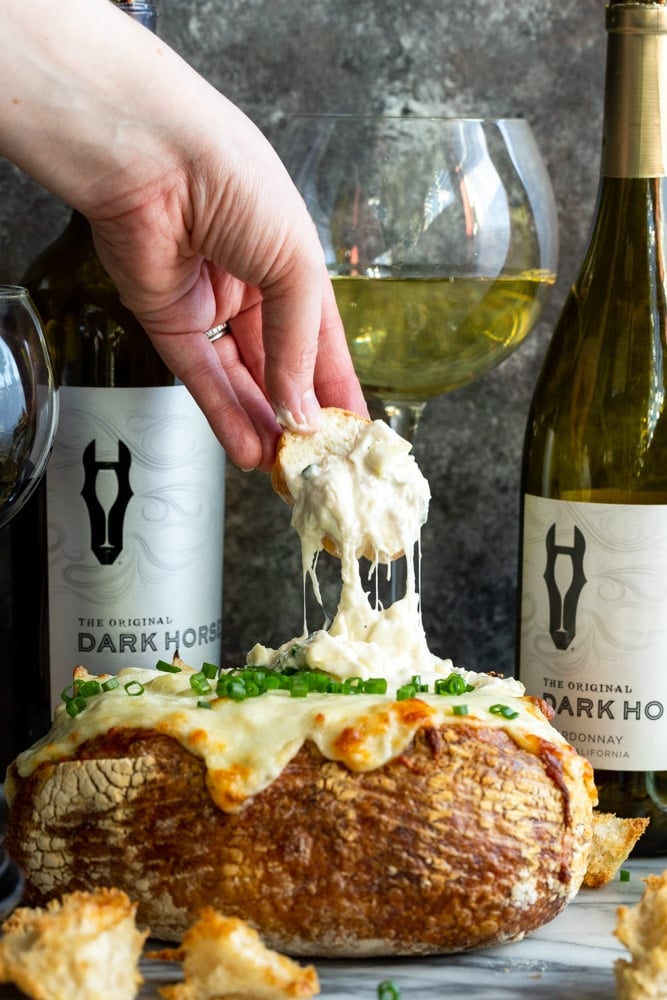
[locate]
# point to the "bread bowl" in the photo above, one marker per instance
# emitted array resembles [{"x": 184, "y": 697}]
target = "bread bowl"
[
  {"x": 359, "y": 797},
  {"x": 474, "y": 830}
]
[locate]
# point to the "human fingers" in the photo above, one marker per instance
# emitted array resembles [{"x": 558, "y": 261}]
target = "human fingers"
[
  {"x": 336, "y": 382},
  {"x": 223, "y": 387}
]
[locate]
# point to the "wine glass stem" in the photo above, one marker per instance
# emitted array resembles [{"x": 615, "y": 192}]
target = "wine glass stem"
[{"x": 404, "y": 419}]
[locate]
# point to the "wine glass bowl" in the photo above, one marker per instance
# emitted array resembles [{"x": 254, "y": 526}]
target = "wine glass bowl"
[
  {"x": 440, "y": 235},
  {"x": 28, "y": 400}
]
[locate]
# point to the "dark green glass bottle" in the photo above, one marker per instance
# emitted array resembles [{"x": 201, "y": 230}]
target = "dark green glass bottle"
[
  {"x": 117, "y": 559},
  {"x": 594, "y": 566}
]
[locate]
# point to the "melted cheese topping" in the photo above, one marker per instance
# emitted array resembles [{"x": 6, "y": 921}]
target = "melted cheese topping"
[
  {"x": 245, "y": 745},
  {"x": 373, "y": 500}
]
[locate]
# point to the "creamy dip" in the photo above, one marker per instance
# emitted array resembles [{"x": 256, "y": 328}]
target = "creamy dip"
[{"x": 372, "y": 500}]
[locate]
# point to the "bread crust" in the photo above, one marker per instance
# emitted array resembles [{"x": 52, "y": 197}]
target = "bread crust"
[{"x": 462, "y": 841}]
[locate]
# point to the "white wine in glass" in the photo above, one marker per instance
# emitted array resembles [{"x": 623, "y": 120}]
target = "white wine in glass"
[{"x": 441, "y": 238}]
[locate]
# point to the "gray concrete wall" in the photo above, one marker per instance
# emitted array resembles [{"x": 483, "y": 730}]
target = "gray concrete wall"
[{"x": 543, "y": 59}]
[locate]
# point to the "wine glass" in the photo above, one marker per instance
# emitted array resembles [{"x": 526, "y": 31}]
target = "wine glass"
[
  {"x": 441, "y": 238},
  {"x": 28, "y": 400}
]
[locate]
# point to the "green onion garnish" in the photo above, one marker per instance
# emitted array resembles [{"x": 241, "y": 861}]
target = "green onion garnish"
[
  {"x": 167, "y": 668},
  {"x": 299, "y": 686},
  {"x": 405, "y": 691},
  {"x": 69, "y": 692},
  {"x": 134, "y": 689},
  {"x": 232, "y": 687},
  {"x": 375, "y": 685},
  {"x": 624, "y": 875},
  {"x": 87, "y": 689},
  {"x": 388, "y": 991},
  {"x": 504, "y": 710},
  {"x": 202, "y": 703},
  {"x": 239, "y": 683},
  {"x": 200, "y": 684},
  {"x": 75, "y": 705},
  {"x": 110, "y": 683},
  {"x": 453, "y": 684},
  {"x": 459, "y": 709},
  {"x": 209, "y": 670}
]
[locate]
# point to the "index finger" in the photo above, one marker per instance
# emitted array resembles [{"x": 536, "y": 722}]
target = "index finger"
[
  {"x": 307, "y": 360},
  {"x": 291, "y": 317}
]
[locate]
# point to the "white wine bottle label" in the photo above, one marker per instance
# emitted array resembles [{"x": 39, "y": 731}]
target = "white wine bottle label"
[
  {"x": 135, "y": 510},
  {"x": 594, "y": 626}
]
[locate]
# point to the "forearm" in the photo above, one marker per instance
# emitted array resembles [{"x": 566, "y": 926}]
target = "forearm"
[{"x": 81, "y": 120}]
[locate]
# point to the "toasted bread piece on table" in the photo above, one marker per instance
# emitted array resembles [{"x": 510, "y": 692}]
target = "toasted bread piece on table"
[
  {"x": 613, "y": 840},
  {"x": 224, "y": 956},
  {"x": 643, "y": 931},
  {"x": 83, "y": 947}
]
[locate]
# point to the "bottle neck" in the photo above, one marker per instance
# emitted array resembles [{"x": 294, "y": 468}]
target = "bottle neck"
[{"x": 635, "y": 113}]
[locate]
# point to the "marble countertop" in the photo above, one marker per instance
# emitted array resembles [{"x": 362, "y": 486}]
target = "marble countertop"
[{"x": 571, "y": 958}]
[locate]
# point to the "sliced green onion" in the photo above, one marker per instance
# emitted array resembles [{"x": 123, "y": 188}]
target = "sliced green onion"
[
  {"x": 200, "y": 684},
  {"x": 406, "y": 691},
  {"x": 453, "y": 684},
  {"x": 624, "y": 875},
  {"x": 353, "y": 685},
  {"x": 388, "y": 991},
  {"x": 110, "y": 683},
  {"x": 250, "y": 682},
  {"x": 299, "y": 687},
  {"x": 318, "y": 682},
  {"x": 375, "y": 685},
  {"x": 209, "y": 670},
  {"x": 167, "y": 668},
  {"x": 70, "y": 691},
  {"x": 459, "y": 709},
  {"x": 75, "y": 705},
  {"x": 232, "y": 687},
  {"x": 134, "y": 689},
  {"x": 202, "y": 703},
  {"x": 88, "y": 689},
  {"x": 504, "y": 710}
]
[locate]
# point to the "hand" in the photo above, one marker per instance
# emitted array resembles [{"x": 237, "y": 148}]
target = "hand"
[
  {"x": 203, "y": 249},
  {"x": 192, "y": 212}
]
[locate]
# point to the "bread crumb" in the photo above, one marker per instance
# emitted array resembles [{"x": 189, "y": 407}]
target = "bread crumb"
[
  {"x": 224, "y": 956},
  {"x": 84, "y": 946},
  {"x": 643, "y": 931},
  {"x": 613, "y": 840}
]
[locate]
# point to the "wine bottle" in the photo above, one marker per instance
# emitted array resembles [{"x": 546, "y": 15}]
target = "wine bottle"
[
  {"x": 593, "y": 634},
  {"x": 132, "y": 505}
]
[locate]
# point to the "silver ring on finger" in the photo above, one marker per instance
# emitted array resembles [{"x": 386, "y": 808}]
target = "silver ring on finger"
[{"x": 216, "y": 332}]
